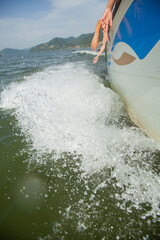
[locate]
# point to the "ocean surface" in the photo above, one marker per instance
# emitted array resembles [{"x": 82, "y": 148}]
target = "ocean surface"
[{"x": 73, "y": 166}]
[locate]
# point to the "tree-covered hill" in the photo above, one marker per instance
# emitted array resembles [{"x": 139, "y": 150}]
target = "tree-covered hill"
[{"x": 82, "y": 41}]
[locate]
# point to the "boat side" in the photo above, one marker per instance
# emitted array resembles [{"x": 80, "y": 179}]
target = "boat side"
[{"x": 133, "y": 59}]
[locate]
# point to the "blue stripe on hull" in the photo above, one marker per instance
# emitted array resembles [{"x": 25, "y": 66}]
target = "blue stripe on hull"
[{"x": 140, "y": 27}]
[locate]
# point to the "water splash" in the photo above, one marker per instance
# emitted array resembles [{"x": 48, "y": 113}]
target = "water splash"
[
  {"x": 65, "y": 109},
  {"x": 88, "y": 52}
]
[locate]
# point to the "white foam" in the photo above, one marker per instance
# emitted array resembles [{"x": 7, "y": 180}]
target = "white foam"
[
  {"x": 66, "y": 109},
  {"x": 89, "y": 52}
]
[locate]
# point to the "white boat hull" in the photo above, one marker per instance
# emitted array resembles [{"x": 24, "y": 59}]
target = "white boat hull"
[{"x": 134, "y": 77}]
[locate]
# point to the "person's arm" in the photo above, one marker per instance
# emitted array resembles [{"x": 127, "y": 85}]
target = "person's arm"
[
  {"x": 95, "y": 39},
  {"x": 106, "y": 19},
  {"x": 110, "y": 4},
  {"x": 105, "y": 39}
]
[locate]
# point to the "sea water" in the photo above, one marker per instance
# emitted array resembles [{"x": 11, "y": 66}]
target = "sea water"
[{"x": 72, "y": 163}]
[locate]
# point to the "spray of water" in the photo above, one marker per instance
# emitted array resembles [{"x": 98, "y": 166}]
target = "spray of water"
[{"x": 66, "y": 109}]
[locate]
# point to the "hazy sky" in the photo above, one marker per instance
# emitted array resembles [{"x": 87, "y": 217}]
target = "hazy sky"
[{"x": 25, "y": 23}]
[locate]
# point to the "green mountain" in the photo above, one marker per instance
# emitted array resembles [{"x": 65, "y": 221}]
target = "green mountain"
[
  {"x": 82, "y": 41},
  {"x": 12, "y": 52}
]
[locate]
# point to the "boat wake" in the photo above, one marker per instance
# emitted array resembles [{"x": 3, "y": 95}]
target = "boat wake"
[
  {"x": 88, "y": 52},
  {"x": 66, "y": 109}
]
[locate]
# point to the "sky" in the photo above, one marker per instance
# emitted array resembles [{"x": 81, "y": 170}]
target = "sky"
[{"x": 26, "y": 23}]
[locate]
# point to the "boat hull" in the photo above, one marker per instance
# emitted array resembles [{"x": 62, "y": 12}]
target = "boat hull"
[{"x": 133, "y": 59}]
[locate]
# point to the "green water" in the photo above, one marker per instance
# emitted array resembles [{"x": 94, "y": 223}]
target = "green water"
[{"x": 72, "y": 164}]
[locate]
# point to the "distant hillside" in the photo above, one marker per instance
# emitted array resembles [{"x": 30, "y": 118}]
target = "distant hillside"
[
  {"x": 12, "y": 52},
  {"x": 82, "y": 41}
]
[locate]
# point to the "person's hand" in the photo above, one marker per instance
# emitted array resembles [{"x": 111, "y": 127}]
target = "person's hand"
[
  {"x": 106, "y": 19},
  {"x": 95, "y": 60}
]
